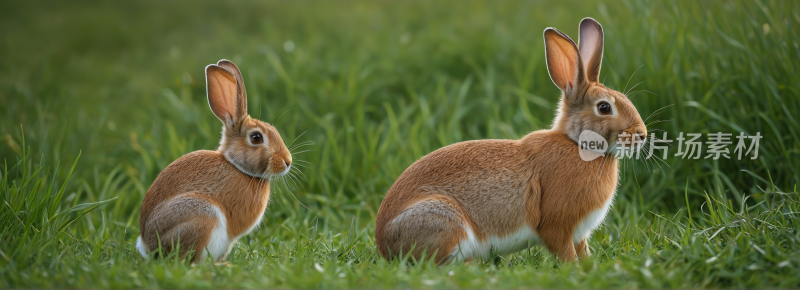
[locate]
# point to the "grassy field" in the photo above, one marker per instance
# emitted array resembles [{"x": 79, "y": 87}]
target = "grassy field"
[{"x": 96, "y": 98}]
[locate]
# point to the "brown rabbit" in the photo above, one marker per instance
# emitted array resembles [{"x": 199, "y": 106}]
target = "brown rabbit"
[
  {"x": 206, "y": 200},
  {"x": 480, "y": 199}
]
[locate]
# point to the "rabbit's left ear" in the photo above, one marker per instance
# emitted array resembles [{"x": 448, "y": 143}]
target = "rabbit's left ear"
[
  {"x": 564, "y": 64},
  {"x": 239, "y": 80},
  {"x": 224, "y": 97},
  {"x": 241, "y": 101},
  {"x": 590, "y": 45}
]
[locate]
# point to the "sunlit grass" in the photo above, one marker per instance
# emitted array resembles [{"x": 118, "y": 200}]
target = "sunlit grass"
[{"x": 373, "y": 87}]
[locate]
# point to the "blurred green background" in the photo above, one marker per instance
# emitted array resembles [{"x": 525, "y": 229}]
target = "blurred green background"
[{"x": 375, "y": 86}]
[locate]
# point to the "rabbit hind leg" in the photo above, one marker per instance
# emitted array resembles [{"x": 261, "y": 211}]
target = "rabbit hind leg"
[
  {"x": 198, "y": 235},
  {"x": 195, "y": 222},
  {"x": 433, "y": 225}
]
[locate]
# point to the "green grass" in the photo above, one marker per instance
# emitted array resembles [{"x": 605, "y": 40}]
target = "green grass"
[{"x": 375, "y": 86}]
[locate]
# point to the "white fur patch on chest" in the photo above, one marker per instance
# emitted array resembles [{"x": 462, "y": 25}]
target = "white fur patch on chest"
[
  {"x": 472, "y": 248},
  {"x": 220, "y": 243},
  {"x": 591, "y": 222}
]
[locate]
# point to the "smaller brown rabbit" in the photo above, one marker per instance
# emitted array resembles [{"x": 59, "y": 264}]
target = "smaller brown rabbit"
[
  {"x": 479, "y": 199},
  {"x": 206, "y": 200}
]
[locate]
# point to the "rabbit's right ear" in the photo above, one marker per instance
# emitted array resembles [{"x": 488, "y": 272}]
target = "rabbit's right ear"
[
  {"x": 239, "y": 80},
  {"x": 224, "y": 96},
  {"x": 563, "y": 62},
  {"x": 590, "y": 44}
]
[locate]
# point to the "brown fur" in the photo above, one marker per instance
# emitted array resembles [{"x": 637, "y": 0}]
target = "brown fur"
[
  {"x": 180, "y": 208},
  {"x": 496, "y": 187}
]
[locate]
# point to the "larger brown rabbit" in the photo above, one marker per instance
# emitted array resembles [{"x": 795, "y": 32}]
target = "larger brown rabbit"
[
  {"x": 479, "y": 199},
  {"x": 206, "y": 200}
]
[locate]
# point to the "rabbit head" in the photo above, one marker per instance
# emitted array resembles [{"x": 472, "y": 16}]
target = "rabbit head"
[
  {"x": 253, "y": 146},
  {"x": 586, "y": 104}
]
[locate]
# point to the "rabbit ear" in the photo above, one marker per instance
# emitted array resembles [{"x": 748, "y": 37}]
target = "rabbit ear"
[
  {"x": 239, "y": 80},
  {"x": 590, "y": 44},
  {"x": 224, "y": 96},
  {"x": 563, "y": 61}
]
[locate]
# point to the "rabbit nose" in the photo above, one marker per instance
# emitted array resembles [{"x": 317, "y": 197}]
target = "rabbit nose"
[
  {"x": 638, "y": 135},
  {"x": 641, "y": 132},
  {"x": 287, "y": 162}
]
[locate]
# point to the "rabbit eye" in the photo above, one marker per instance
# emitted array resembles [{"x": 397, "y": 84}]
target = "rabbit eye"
[
  {"x": 256, "y": 138},
  {"x": 604, "y": 108}
]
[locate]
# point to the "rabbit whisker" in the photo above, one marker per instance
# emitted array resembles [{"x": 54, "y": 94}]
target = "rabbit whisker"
[
  {"x": 629, "y": 80},
  {"x": 656, "y": 111},
  {"x": 298, "y": 179},
  {"x": 662, "y": 160},
  {"x": 646, "y": 91},
  {"x": 290, "y": 179},
  {"x": 653, "y": 155},
  {"x": 650, "y": 167},
  {"x": 633, "y": 87},
  {"x": 658, "y": 121},
  {"x": 278, "y": 185},
  {"x": 295, "y": 198},
  {"x": 655, "y": 162},
  {"x": 304, "y": 142},
  {"x": 284, "y": 183},
  {"x": 298, "y": 170},
  {"x": 300, "y": 145},
  {"x": 297, "y": 164},
  {"x": 294, "y": 178},
  {"x": 298, "y": 136},
  {"x": 645, "y": 159},
  {"x": 278, "y": 189},
  {"x": 279, "y": 117}
]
